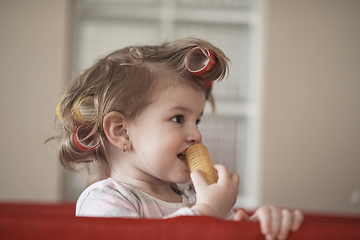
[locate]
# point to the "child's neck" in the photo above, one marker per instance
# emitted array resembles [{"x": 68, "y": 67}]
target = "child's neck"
[{"x": 158, "y": 189}]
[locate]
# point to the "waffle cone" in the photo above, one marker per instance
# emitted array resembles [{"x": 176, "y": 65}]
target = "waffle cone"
[{"x": 198, "y": 158}]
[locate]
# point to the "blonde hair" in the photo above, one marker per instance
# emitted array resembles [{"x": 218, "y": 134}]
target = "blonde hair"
[{"x": 125, "y": 81}]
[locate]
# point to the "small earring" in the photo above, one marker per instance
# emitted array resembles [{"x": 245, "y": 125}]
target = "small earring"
[{"x": 124, "y": 148}]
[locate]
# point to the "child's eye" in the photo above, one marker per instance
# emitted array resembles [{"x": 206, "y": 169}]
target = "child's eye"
[
  {"x": 178, "y": 119},
  {"x": 198, "y": 122}
]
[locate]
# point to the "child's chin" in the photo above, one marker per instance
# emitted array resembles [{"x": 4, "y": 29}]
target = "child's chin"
[{"x": 184, "y": 180}]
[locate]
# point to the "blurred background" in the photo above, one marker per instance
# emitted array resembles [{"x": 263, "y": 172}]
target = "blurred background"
[{"x": 287, "y": 117}]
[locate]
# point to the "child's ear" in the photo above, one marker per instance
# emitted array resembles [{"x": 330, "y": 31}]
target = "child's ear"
[{"x": 115, "y": 130}]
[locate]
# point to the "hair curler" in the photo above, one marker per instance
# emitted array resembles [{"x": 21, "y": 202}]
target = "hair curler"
[
  {"x": 198, "y": 158},
  {"x": 85, "y": 110},
  {"x": 58, "y": 110},
  {"x": 82, "y": 139},
  {"x": 199, "y": 62}
]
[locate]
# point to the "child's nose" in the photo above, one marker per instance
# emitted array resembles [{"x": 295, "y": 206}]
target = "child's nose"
[{"x": 194, "y": 135}]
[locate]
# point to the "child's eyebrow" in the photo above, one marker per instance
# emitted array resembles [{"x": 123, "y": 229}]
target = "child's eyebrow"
[
  {"x": 181, "y": 108},
  {"x": 185, "y": 109}
]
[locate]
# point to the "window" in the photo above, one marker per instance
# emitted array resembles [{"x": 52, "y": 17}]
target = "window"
[{"x": 231, "y": 134}]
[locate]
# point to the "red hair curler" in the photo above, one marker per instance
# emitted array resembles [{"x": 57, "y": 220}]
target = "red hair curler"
[
  {"x": 199, "y": 61},
  {"x": 83, "y": 140}
]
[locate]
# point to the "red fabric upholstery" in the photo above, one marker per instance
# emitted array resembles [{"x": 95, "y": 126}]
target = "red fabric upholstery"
[{"x": 34, "y": 221}]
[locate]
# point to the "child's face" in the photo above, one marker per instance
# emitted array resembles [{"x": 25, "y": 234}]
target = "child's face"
[{"x": 164, "y": 130}]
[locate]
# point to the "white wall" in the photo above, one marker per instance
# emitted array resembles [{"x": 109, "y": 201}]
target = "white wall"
[
  {"x": 32, "y": 64},
  {"x": 311, "y": 138}
]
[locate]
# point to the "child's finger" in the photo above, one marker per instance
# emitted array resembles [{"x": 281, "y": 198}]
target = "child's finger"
[
  {"x": 263, "y": 215},
  {"x": 223, "y": 172},
  {"x": 275, "y": 220},
  {"x": 235, "y": 178},
  {"x": 286, "y": 223},
  {"x": 298, "y": 219},
  {"x": 241, "y": 215},
  {"x": 198, "y": 179}
]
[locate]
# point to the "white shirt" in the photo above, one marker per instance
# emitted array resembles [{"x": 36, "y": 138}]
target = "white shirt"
[{"x": 110, "y": 198}]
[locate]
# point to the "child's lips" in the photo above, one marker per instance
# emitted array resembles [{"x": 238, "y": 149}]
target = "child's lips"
[{"x": 182, "y": 157}]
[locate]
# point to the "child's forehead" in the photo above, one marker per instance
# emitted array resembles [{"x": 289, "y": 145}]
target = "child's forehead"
[
  {"x": 178, "y": 97},
  {"x": 179, "y": 92},
  {"x": 170, "y": 81}
]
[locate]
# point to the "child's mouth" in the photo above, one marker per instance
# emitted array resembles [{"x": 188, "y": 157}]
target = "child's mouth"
[{"x": 182, "y": 157}]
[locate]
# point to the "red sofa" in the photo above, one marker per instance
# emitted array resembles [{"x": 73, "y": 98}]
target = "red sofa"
[{"x": 47, "y": 221}]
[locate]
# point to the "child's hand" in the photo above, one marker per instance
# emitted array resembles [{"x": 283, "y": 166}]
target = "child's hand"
[
  {"x": 275, "y": 223},
  {"x": 216, "y": 199}
]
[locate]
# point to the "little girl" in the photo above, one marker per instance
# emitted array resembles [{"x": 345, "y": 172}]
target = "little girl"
[{"x": 133, "y": 114}]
